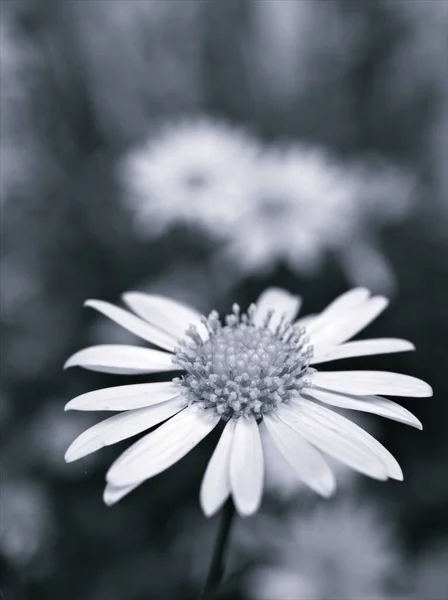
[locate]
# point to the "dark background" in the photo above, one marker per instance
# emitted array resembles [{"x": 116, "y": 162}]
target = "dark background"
[{"x": 82, "y": 83}]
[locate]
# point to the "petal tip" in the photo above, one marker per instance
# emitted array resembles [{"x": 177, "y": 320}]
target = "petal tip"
[
  {"x": 108, "y": 498},
  {"x": 69, "y": 363},
  {"x": 69, "y": 456}
]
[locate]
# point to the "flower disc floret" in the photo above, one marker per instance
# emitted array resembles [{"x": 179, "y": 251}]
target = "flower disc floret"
[{"x": 242, "y": 368}]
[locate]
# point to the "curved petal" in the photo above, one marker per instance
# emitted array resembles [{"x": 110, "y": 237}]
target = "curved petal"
[
  {"x": 340, "y": 307},
  {"x": 281, "y": 302},
  {"x": 246, "y": 466},
  {"x": 161, "y": 448},
  {"x": 165, "y": 313},
  {"x": 134, "y": 324},
  {"x": 365, "y": 383},
  {"x": 306, "y": 321},
  {"x": 113, "y": 493},
  {"x": 350, "y": 451},
  {"x": 306, "y": 461},
  {"x": 122, "y": 359},
  {"x": 327, "y": 419},
  {"x": 122, "y": 426},
  {"x": 215, "y": 487},
  {"x": 341, "y": 329},
  {"x": 125, "y": 397},
  {"x": 362, "y": 348},
  {"x": 371, "y": 404}
]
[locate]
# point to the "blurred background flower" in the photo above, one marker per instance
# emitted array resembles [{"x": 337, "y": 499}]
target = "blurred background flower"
[
  {"x": 339, "y": 550},
  {"x": 207, "y": 150},
  {"x": 198, "y": 172}
]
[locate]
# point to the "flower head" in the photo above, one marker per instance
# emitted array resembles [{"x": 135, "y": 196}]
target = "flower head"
[
  {"x": 194, "y": 172},
  {"x": 305, "y": 205},
  {"x": 254, "y": 373}
]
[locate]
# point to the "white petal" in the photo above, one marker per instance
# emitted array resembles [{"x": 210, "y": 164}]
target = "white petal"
[
  {"x": 341, "y": 329},
  {"x": 165, "y": 313},
  {"x": 113, "y": 493},
  {"x": 364, "y": 383},
  {"x": 122, "y": 426},
  {"x": 215, "y": 486},
  {"x": 125, "y": 397},
  {"x": 362, "y": 440},
  {"x": 134, "y": 324},
  {"x": 281, "y": 302},
  {"x": 306, "y": 321},
  {"x": 160, "y": 449},
  {"x": 340, "y": 307},
  {"x": 306, "y": 461},
  {"x": 122, "y": 359},
  {"x": 246, "y": 466},
  {"x": 329, "y": 439},
  {"x": 362, "y": 348},
  {"x": 372, "y": 404}
]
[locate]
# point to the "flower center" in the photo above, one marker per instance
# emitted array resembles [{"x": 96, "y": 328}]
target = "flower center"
[{"x": 243, "y": 369}]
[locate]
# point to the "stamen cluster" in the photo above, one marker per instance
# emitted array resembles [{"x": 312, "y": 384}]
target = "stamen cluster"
[{"x": 243, "y": 369}]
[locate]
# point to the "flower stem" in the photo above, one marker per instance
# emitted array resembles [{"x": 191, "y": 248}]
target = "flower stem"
[{"x": 217, "y": 565}]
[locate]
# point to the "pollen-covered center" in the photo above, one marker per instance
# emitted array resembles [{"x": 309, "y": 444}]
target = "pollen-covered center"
[{"x": 242, "y": 368}]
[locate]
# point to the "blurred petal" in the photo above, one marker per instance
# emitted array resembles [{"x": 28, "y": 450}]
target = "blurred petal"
[
  {"x": 362, "y": 348},
  {"x": 122, "y": 359},
  {"x": 341, "y": 329},
  {"x": 122, "y": 426},
  {"x": 364, "y": 383},
  {"x": 160, "y": 449},
  {"x": 165, "y": 313},
  {"x": 281, "y": 302},
  {"x": 125, "y": 397},
  {"x": 371, "y": 404},
  {"x": 134, "y": 324},
  {"x": 246, "y": 466},
  {"x": 306, "y": 461},
  {"x": 366, "y": 265},
  {"x": 215, "y": 486}
]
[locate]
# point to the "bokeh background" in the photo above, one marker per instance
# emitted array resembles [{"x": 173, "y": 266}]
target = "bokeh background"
[{"x": 206, "y": 150}]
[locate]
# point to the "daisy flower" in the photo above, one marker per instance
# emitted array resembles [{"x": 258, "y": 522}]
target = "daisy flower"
[
  {"x": 343, "y": 549},
  {"x": 253, "y": 372},
  {"x": 306, "y": 205},
  {"x": 195, "y": 171}
]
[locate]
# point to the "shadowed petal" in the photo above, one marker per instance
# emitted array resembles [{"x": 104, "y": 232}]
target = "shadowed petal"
[{"x": 306, "y": 461}]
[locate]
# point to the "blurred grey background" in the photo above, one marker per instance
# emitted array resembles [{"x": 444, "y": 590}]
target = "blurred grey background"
[{"x": 206, "y": 150}]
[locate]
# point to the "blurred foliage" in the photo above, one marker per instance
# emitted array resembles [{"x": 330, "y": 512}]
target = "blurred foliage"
[{"x": 82, "y": 82}]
